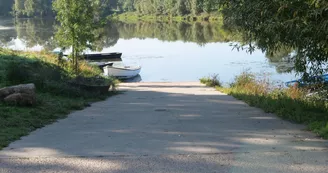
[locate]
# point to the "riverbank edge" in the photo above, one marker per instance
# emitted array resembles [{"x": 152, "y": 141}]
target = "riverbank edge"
[
  {"x": 287, "y": 103},
  {"x": 132, "y": 16},
  {"x": 17, "y": 121}
]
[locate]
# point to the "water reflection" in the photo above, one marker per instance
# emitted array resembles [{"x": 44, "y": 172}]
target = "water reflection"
[
  {"x": 134, "y": 79},
  {"x": 7, "y": 31},
  {"x": 168, "y": 51},
  {"x": 36, "y": 32},
  {"x": 200, "y": 33},
  {"x": 33, "y": 32}
]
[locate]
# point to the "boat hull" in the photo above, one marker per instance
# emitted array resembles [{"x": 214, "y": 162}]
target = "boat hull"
[
  {"x": 99, "y": 57},
  {"x": 103, "y": 56},
  {"x": 323, "y": 79},
  {"x": 122, "y": 72}
]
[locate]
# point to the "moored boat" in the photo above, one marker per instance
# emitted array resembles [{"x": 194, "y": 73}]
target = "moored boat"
[
  {"x": 322, "y": 79},
  {"x": 101, "y": 64},
  {"x": 115, "y": 56},
  {"x": 122, "y": 72},
  {"x": 103, "y": 56},
  {"x": 111, "y": 64}
]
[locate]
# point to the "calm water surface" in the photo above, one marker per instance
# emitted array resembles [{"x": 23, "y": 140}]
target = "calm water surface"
[{"x": 166, "y": 51}]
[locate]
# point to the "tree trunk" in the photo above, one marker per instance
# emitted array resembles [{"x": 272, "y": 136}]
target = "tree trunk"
[
  {"x": 73, "y": 51},
  {"x": 76, "y": 63}
]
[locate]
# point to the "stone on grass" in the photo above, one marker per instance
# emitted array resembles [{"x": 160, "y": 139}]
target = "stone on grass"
[
  {"x": 24, "y": 88},
  {"x": 20, "y": 95},
  {"x": 21, "y": 99}
]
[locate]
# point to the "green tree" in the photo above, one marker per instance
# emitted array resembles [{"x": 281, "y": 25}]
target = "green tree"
[
  {"x": 126, "y": 5},
  {"x": 300, "y": 24},
  {"x": 32, "y": 32},
  {"x": 19, "y": 8},
  {"x": 181, "y": 6},
  {"x": 209, "y": 5},
  {"x": 281, "y": 59},
  {"x": 196, "y": 6},
  {"x": 32, "y": 8},
  {"x": 77, "y": 25}
]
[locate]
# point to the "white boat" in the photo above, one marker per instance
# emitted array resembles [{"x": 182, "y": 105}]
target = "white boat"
[{"x": 121, "y": 71}]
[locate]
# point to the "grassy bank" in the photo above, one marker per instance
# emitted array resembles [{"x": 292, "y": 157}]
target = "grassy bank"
[
  {"x": 55, "y": 96},
  {"x": 132, "y": 16},
  {"x": 292, "y": 103}
]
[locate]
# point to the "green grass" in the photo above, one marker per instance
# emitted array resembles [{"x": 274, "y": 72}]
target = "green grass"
[
  {"x": 288, "y": 103},
  {"x": 212, "y": 81},
  {"x": 55, "y": 98}
]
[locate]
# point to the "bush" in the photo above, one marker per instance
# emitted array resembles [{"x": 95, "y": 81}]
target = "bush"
[
  {"x": 53, "y": 79},
  {"x": 96, "y": 80},
  {"x": 55, "y": 96},
  {"x": 289, "y": 103},
  {"x": 243, "y": 79},
  {"x": 212, "y": 81},
  {"x": 36, "y": 72}
]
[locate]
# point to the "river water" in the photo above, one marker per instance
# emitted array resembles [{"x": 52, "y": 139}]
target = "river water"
[{"x": 167, "y": 51}]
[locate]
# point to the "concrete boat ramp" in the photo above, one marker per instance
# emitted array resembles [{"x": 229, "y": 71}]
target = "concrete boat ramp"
[{"x": 168, "y": 128}]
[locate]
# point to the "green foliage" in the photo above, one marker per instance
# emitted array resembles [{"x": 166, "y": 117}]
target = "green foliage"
[
  {"x": 320, "y": 128},
  {"x": 200, "y": 33},
  {"x": 212, "y": 81},
  {"x": 36, "y": 32},
  {"x": 243, "y": 79},
  {"x": 134, "y": 16},
  {"x": 32, "y": 8},
  {"x": 77, "y": 25},
  {"x": 169, "y": 7},
  {"x": 289, "y": 103},
  {"x": 48, "y": 76},
  {"x": 16, "y": 122},
  {"x": 298, "y": 24},
  {"x": 282, "y": 59},
  {"x": 55, "y": 96},
  {"x": 126, "y": 5}
]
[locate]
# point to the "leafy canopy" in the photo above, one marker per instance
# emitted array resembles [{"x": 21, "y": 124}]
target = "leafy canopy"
[
  {"x": 78, "y": 22},
  {"x": 301, "y": 25}
]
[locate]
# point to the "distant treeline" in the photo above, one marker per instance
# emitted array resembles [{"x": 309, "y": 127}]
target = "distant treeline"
[
  {"x": 169, "y": 7},
  {"x": 26, "y": 8},
  {"x": 196, "y": 32},
  {"x": 41, "y": 32},
  {"x": 42, "y": 8}
]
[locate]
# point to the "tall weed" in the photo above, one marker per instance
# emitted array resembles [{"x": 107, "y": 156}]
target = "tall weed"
[{"x": 292, "y": 103}]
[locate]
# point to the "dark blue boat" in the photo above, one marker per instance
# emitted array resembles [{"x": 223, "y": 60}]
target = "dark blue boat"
[
  {"x": 115, "y": 56},
  {"x": 322, "y": 78}
]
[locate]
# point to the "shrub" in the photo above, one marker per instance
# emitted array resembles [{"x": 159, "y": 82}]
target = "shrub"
[
  {"x": 291, "y": 103},
  {"x": 51, "y": 78},
  {"x": 245, "y": 78},
  {"x": 36, "y": 72},
  {"x": 212, "y": 81}
]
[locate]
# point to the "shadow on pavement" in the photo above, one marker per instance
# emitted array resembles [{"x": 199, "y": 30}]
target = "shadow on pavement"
[{"x": 168, "y": 128}]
